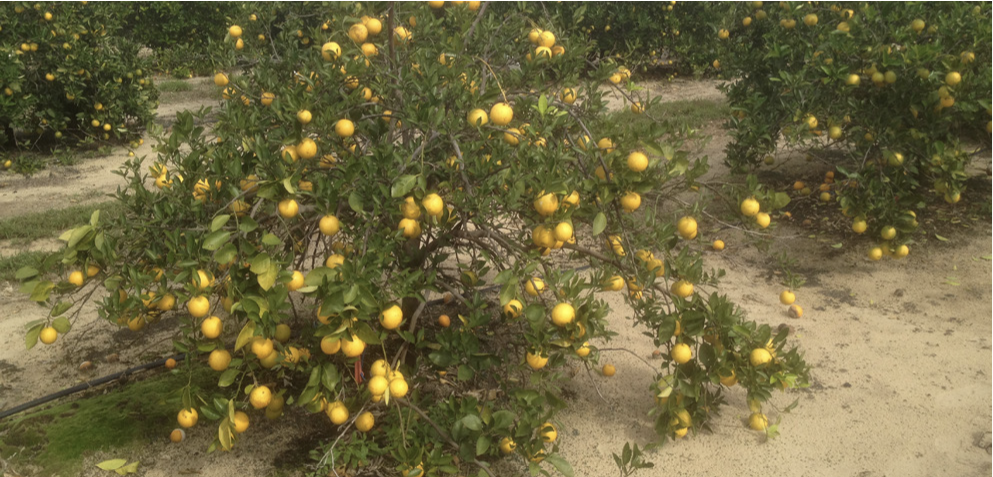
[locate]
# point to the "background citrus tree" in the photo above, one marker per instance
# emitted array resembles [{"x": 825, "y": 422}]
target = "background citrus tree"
[
  {"x": 895, "y": 96},
  {"x": 657, "y": 37},
  {"x": 69, "y": 74},
  {"x": 378, "y": 157}
]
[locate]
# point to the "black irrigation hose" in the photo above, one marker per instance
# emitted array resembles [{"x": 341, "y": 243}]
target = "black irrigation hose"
[
  {"x": 88, "y": 385},
  {"x": 152, "y": 365}
]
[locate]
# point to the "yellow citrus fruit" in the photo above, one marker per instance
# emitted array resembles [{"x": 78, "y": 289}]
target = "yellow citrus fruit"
[
  {"x": 548, "y": 432},
  {"x": 391, "y": 317},
  {"x": 221, "y": 79},
  {"x": 260, "y": 397},
  {"x": 330, "y": 345},
  {"x": 478, "y": 117},
  {"x": 718, "y": 245},
  {"x": 296, "y": 282},
  {"x": 729, "y": 380},
  {"x": 444, "y": 321},
  {"x": 240, "y": 422},
  {"x": 377, "y": 385},
  {"x": 304, "y": 116},
  {"x": 682, "y": 288},
  {"x": 787, "y": 297},
  {"x": 177, "y": 435},
  {"x": 758, "y": 422},
  {"x": 219, "y": 359},
  {"x": 534, "y": 286},
  {"x": 198, "y": 306},
  {"x": 953, "y": 78},
  {"x": 759, "y": 356},
  {"x": 681, "y": 353},
  {"x": 399, "y": 387},
  {"x": 433, "y": 204},
  {"x": 631, "y": 201},
  {"x": 330, "y": 51},
  {"x": 687, "y": 227},
  {"x": 875, "y": 253},
  {"x": 211, "y": 327},
  {"x": 48, "y": 335},
  {"x": 536, "y": 361},
  {"x": 282, "y": 334},
  {"x": 546, "y": 204},
  {"x": 288, "y": 208},
  {"x": 358, "y": 33},
  {"x": 750, "y": 207},
  {"x": 563, "y": 314},
  {"x": 364, "y": 422},
  {"x": 501, "y": 114},
  {"x": 352, "y": 348},
  {"x": 334, "y": 261},
  {"x": 507, "y": 445},
  {"x": 568, "y": 96},
  {"x": 513, "y": 308},
  {"x": 187, "y": 418},
  {"x": 344, "y": 128},
  {"x": 234, "y": 31},
  {"x": 609, "y": 370},
  {"x": 262, "y": 347},
  {"x": 337, "y": 412},
  {"x": 402, "y": 34},
  {"x": 888, "y": 233},
  {"x": 411, "y": 228},
  {"x": 76, "y": 278},
  {"x": 329, "y": 225},
  {"x": 637, "y": 161}
]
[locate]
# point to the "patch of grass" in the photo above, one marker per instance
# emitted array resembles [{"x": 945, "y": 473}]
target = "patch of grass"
[
  {"x": 57, "y": 439},
  {"x": 51, "y": 223},
  {"x": 10, "y": 265},
  {"x": 174, "y": 86},
  {"x": 694, "y": 113}
]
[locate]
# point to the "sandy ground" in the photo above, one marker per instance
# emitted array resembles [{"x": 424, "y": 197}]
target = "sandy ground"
[{"x": 900, "y": 354}]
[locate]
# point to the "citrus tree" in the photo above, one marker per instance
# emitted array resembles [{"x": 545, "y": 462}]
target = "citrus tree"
[
  {"x": 68, "y": 75},
  {"x": 180, "y": 33},
  {"x": 679, "y": 37},
  {"x": 376, "y": 159},
  {"x": 887, "y": 93}
]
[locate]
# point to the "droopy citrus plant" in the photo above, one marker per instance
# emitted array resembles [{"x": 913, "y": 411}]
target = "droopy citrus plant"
[
  {"x": 396, "y": 155},
  {"x": 894, "y": 95},
  {"x": 68, "y": 75}
]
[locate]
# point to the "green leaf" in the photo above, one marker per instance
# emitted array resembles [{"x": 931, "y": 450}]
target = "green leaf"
[
  {"x": 482, "y": 442},
  {"x": 355, "y": 202},
  {"x": 503, "y": 419},
  {"x": 219, "y": 222},
  {"x": 226, "y": 253},
  {"x": 271, "y": 239},
  {"x": 95, "y": 218},
  {"x": 61, "y": 307},
  {"x": 61, "y": 325},
  {"x": 31, "y": 338},
  {"x": 260, "y": 263},
  {"x": 25, "y": 272},
  {"x": 128, "y": 469},
  {"x": 268, "y": 278},
  {"x": 248, "y": 225},
  {"x": 365, "y": 333},
  {"x": 214, "y": 240},
  {"x": 560, "y": 465},
  {"x": 42, "y": 291},
  {"x": 472, "y": 422},
  {"x": 939, "y": 237},
  {"x": 245, "y": 335},
  {"x": 78, "y": 234},
  {"x": 288, "y": 185},
  {"x": 228, "y": 377},
  {"x": 401, "y": 187},
  {"x": 112, "y": 464},
  {"x": 599, "y": 223},
  {"x": 542, "y": 104}
]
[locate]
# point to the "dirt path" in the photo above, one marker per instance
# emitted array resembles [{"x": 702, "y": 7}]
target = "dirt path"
[{"x": 900, "y": 352}]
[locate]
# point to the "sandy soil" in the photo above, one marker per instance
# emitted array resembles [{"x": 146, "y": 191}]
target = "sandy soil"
[{"x": 900, "y": 354}]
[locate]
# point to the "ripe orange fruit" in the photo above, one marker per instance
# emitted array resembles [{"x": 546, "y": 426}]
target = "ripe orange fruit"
[
  {"x": 240, "y": 422},
  {"x": 212, "y": 327},
  {"x": 177, "y": 435},
  {"x": 352, "y": 348},
  {"x": 364, "y": 422},
  {"x": 609, "y": 370},
  {"x": 48, "y": 335},
  {"x": 187, "y": 418},
  {"x": 330, "y": 345},
  {"x": 536, "y": 361},
  {"x": 260, "y": 397},
  {"x": 219, "y": 359},
  {"x": 444, "y": 321},
  {"x": 170, "y": 363}
]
